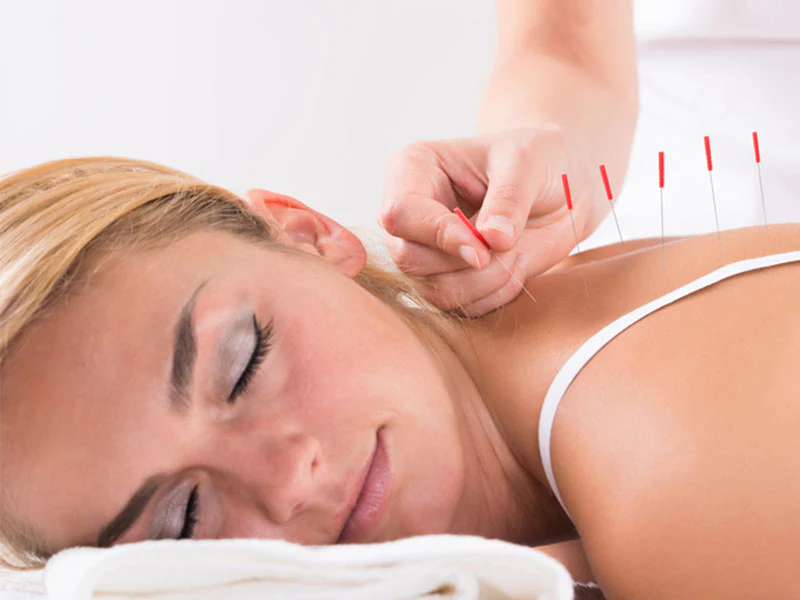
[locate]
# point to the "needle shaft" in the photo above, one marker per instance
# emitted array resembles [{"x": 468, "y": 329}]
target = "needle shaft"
[
  {"x": 663, "y": 261},
  {"x": 661, "y": 196},
  {"x": 522, "y": 285},
  {"x": 577, "y": 245},
  {"x": 482, "y": 239},
  {"x": 619, "y": 231},
  {"x": 714, "y": 200},
  {"x": 610, "y": 196}
]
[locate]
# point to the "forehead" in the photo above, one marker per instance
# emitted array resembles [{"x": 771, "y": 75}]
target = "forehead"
[
  {"x": 128, "y": 296},
  {"x": 95, "y": 367}
]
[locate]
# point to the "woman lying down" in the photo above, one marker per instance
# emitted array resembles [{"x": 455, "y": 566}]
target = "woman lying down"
[{"x": 179, "y": 363}]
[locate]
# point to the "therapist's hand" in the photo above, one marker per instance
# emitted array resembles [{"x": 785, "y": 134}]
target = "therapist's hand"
[{"x": 509, "y": 184}]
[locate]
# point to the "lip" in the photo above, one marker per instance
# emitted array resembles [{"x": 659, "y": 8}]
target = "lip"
[{"x": 370, "y": 498}]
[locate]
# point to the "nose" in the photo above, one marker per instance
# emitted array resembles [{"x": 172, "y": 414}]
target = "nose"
[
  {"x": 279, "y": 475},
  {"x": 293, "y": 481}
]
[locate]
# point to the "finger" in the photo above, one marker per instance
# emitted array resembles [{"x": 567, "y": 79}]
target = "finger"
[
  {"x": 433, "y": 225},
  {"x": 514, "y": 183},
  {"x": 417, "y": 259},
  {"x": 507, "y": 293},
  {"x": 414, "y": 176},
  {"x": 459, "y": 288},
  {"x": 419, "y": 195},
  {"x": 434, "y": 171},
  {"x": 547, "y": 246}
]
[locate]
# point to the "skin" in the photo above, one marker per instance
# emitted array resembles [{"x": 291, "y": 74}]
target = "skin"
[
  {"x": 88, "y": 387},
  {"x": 677, "y": 445},
  {"x": 670, "y": 448}
]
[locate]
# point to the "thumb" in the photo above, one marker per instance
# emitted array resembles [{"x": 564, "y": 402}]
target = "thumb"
[{"x": 505, "y": 209}]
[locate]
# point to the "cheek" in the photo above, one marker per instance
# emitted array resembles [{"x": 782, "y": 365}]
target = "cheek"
[
  {"x": 332, "y": 346},
  {"x": 344, "y": 358}
]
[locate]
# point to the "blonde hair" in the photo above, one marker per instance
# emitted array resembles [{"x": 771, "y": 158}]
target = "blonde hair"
[{"x": 55, "y": 215}]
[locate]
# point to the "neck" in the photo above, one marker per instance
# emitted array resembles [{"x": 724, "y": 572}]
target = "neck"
[{"x": 505, "y": 497}]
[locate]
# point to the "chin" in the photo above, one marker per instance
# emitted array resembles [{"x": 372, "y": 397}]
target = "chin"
[{"x": 431, "y": 506}]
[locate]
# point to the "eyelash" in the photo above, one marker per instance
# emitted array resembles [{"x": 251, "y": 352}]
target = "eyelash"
[
  {"x": 190, "y": 520},
  {"x": 263, "y": 344}
]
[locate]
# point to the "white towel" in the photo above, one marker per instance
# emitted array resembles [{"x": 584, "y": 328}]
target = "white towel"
[
  {"x": 16, "y": 585},
  {"x": 445, "y": 566}
]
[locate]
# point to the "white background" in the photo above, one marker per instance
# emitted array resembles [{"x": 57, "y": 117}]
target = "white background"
[
  {"x": 304, "y": 98},
  {"x": 310, "y": 98}
]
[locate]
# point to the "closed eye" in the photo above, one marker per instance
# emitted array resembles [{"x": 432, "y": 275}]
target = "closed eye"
[
  {"x": 190, "y": 516},
  {"x": 263, "y": 337}
]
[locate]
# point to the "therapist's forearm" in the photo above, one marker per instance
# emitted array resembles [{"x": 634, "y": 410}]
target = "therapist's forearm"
[
  {"x": 570, "y": 64},
  {"x": 536, "y": 89}
]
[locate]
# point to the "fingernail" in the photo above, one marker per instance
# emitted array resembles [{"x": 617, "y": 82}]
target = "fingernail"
[
  {"x": 501, "y": 224},
  {"x": 470, "y": 256}
]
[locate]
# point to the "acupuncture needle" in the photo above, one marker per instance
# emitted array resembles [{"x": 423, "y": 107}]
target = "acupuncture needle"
[
  {"x": 661, "y": 196},
  {"x": 610, "y": 196},
  {"x": 482, "y": 239},
  {"x": 568, "y": 196},
  {"x": 707, "y": 143},
  {"x": 757, "y": 151}
]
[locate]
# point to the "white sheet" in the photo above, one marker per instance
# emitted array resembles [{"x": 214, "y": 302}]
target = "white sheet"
[{"x": 459, "y": 567}]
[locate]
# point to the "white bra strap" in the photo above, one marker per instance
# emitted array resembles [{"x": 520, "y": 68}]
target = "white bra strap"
[{"x": 595, "y": 343}]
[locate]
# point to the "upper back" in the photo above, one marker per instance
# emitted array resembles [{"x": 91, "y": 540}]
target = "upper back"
[{"x": 682, "y": 429}]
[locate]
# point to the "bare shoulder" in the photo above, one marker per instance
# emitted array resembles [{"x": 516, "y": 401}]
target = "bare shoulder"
[
  {"x": 747, "y": 239},
  {"x": 676, "y": 448}
]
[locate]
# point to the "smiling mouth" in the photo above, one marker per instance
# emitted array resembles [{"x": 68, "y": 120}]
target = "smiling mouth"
[{"x": 372, "y": 497}]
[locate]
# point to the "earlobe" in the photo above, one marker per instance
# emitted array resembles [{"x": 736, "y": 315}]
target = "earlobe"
[{"x": 310, "y": 230}]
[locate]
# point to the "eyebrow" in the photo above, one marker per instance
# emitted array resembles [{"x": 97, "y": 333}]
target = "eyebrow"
[
  {"x": 184, "y": 354},
  {"x": 133, "y": 509}
]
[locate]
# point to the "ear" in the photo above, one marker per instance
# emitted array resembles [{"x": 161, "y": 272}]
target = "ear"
[{"x": 310, "y": 230}]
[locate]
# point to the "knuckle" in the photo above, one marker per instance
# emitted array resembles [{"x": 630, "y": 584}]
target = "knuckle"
[
  {"x": 415, "y": 154},
  {"x": 387, "y": 215},
  {"x": 511, "y": 152},
  {"x": 402, "y": 257},
  {"x": 477, "y": 309},
  {"x": 442, "y": 229},
  {"x": 508, "y": 194}
]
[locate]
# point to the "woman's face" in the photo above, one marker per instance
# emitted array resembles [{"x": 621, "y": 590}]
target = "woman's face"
[{"x": 137, "y": 392}]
